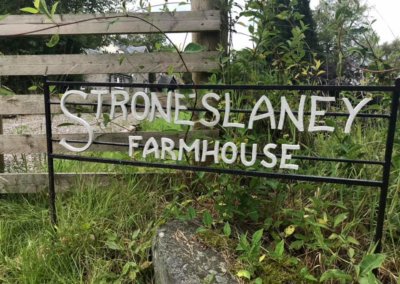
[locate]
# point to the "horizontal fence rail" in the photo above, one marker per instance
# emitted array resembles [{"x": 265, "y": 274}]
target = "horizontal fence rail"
[
  {"x": 29, "y": 144},
  {"x": 22, "y": 105},
  {"x": 78, "y": 64},
  {"x": 131, "y": 23}
]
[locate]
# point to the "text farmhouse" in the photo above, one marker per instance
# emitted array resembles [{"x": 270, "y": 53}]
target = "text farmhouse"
[{"x": 146, "y": 107}]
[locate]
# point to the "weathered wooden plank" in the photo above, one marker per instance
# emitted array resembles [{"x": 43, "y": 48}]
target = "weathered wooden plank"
[
  {"x": 132, "y": 23},
  {"x": 17, "y": 144},
  {"x": 31, "y": 65},
  {"x": 34, "y": 104},
  {"x": 21, "y": 104}
]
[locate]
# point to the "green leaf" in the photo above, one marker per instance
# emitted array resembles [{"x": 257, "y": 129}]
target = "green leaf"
[
  {"x": 283, "y": 16},
  {"x": 244, "y": 274},
  {"x": 339, "y": 219},
  {"x": 135, "y": 234},
  {"x": 207, "y": 219},
  {"x": 310, "y": 277},
  {"x": 280, "y": 248},
  {"x": 54, "y": 8},
  {"x": 307, "y": 275},
  {"x": 86, "y": 226},
  {"x": 194, "y": 47},
  {"x": 30, "y": 10},
  {"x": 257, "y": 236},
  {"x": 334, "y": 274},
  {"x": 127, "y": 267},
  {"x": 36, "y": 4},
  {"x": 106, "y": 119},
  {"x": 251, "y": 29},
  {"x": 289, "y": 230},
  {"x": 5, "y": 91},
  {"x": 243, "y": 243},
  {"x": 53, "y": 41},
  {"x": 371, "y": 262},
  {"x": 121, "y": 59},
  {"x": 297, "y": 244},
  {"x": 352, "y": 240},
  {"x": 201, "y": 229},
  {"x": 44, "y": 9},
  {"x": 227, "y": 229},
  {"x": 32, "y": 88},
  {"x": 369, "y": 279},
  {"x": 170, "y": 70},
  {"x": 113, "y": 245},
  {"x": 350, "y": 253},
  {"x": 258, "y": 281},
  {"x": 191, "y": 213}
]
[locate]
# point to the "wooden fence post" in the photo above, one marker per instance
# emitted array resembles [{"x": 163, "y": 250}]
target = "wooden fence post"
[{"x": 210, "y": 40}]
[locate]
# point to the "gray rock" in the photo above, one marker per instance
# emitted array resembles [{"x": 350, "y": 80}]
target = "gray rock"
[{"x": 179, "y": 259}]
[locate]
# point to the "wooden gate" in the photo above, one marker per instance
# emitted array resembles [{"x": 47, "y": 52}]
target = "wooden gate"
[{"x": 200, "y": 21}]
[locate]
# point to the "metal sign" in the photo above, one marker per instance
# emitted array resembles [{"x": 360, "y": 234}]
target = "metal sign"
[{"x": 228, "y": 153}]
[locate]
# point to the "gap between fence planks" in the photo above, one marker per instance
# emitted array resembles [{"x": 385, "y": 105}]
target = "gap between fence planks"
[
  {"x": 78, "y": 64},
  {"x": 27, "y": 144},
  {"x": 170, "y": 22}
]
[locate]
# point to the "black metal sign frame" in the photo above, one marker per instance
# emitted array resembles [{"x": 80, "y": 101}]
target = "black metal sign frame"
[{"x": 383, "y": 184}]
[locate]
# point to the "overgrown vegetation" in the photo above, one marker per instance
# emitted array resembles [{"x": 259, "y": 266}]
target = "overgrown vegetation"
[
  {"x": 104, "y": 233},
  {"x": 274, "y": 232}
]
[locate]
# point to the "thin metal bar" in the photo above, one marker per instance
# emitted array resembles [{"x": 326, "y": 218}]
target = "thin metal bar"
[
  {"x": 309, "y": 178},
  {"x": 2, "y": 161},
  {"x": 333, "y": 114},
  {"x": 306, "y": 158},
  {"x": 386, "y": 169},
  {"x": 50, "y": 159},
  {"x": 230, "y": 87}
]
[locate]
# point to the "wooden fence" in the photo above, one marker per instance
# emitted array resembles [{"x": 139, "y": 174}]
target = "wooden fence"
[{"x": 203, "y": 20}]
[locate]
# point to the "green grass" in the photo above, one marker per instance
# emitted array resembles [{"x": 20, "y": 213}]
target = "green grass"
[
  {"x": 160, "y": 125},
  {"x": 69, "y": 166},
  {"x": 95, "y": 238}
]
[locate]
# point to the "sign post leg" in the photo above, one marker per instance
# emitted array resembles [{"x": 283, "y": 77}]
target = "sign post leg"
[
  {"x": 50, "y": 159},
  {"x": 386, "y": 169}
]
